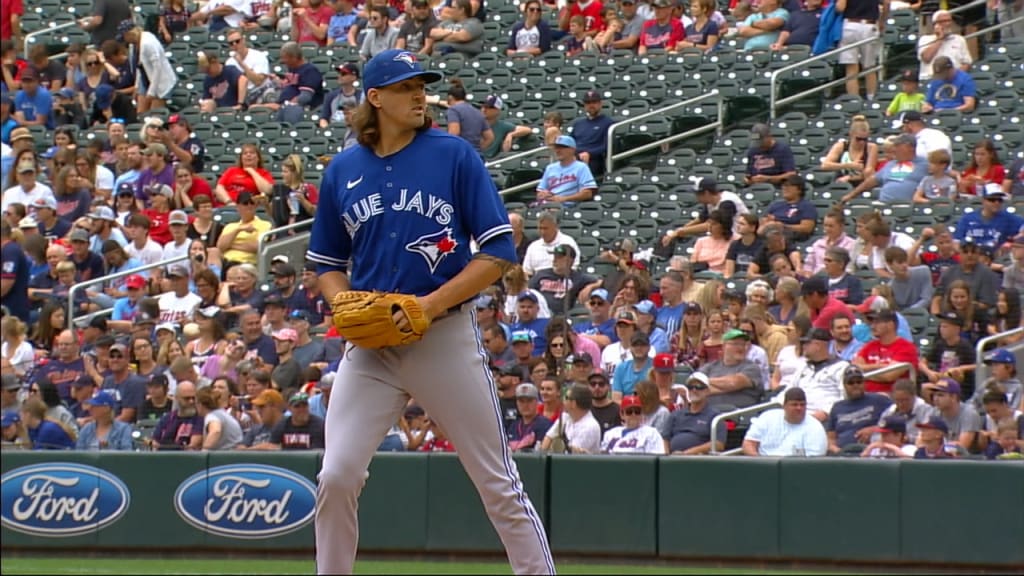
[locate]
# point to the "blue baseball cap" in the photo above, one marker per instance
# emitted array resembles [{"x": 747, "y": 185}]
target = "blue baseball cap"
[
  {"x": 1001, "y": 356},
  {"x": 9, "y": 419},
  {"x": 599, "y": 293},
  {"x": 644, "y": 307},
  {"x": 102, "y": 398},
  {"x": 935, "y": 422},
  {"x": 565, "y": 140},
  {"x": 392, "y": 66}
]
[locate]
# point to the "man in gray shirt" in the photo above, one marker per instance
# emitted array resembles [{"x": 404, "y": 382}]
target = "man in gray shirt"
[
  {"x": 911, "y": 286},
  {"x": 460, "y": 34},
  {"x": 982, "y": 280},
  {"x": 380, "y": 36},
  {"x": 733, "y": 380},
  {"x": 632, "y": 25},
  {"x": 962, "y": 420}
]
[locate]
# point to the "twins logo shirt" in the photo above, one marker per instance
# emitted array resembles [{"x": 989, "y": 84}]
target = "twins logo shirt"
[{"x": 403, "y": 222}]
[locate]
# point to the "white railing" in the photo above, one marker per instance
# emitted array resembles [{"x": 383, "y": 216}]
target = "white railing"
[
  {"x": 773, "y": 95},
  {"x": 263, "y": 244},
  {"x": 50, "y": 30},
  {"x": 981, "y": 369},
  {"x": 83, "y": 285},
  {"x": 611, "y": 157}
]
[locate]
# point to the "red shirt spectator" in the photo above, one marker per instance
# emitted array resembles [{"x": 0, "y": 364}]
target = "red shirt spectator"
[
  {"x": 591, "y": 12},
  {"x": 10, "y": 9},
  {"x": 159, "y": 229},
  {"x": 658, "y": 35},
  {"x": 887, "y": 348},
  {"x": 236, "y": 180},
  {"x": 823, "y": 318},
  {"x": 316, "y": 12}
]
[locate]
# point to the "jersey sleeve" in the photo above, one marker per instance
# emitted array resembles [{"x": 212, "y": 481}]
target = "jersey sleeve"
[
  {"x": 481, "y": 212},
  {"x": 329, "y": 244}
]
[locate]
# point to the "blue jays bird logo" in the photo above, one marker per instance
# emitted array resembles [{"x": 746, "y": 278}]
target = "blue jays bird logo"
[
  {"x": 407, "y": 57},
  {"x": 434, "y": 247}
]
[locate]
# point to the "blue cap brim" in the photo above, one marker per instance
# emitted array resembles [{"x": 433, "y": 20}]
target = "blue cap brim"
[{"x": 429, "y": 76}]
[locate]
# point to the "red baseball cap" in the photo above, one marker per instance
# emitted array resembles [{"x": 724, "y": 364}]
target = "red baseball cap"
[
  {"x": 630, "y": 401},
  {"x": 664, "y": 362},
  {"x": 134, "y": 281}
]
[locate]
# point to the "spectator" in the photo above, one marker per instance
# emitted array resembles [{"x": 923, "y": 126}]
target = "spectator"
[
  {"x": 1006, "y": 443},
  {"x": 460, "y": 32},
  {"x": 951, "y": 356},
  {"x": 910, "y": 98},
  {"x": 567, "y": 180},
  {"x": 242, "y": 293},
  {"x": 576, "y": 431},
  {"x": 938, "y": 183},
  {"x": 962, "y": 421},
  {"x": 950, "y": 89},
  {"x": 341, "y": 22},
  {"x": 126, "y": 388},
  {"x": 173, "y": 20},
  {"x": 912, "y": 286},
  {"x": 301, "y": 88},
  {"x": 633, "y": 436},
  {"x": 319, "y": 402},
  {"x": 221, "y": 14},
  {"x": 931, "y": 443},
  {"x": 663, "y": 32},
  {"x": 156, "y": 78},
  {"x": 600, "y": 327},
  {"x": 734, "y": 380},
  {"x": 899, "y": 178},
  {"x": 380, "y": 35},
  {"x": 927, "y": 139},
  {"x": 531, "y": 35},
  {"x": 862, "y": 19},
  {"x": 786, "y": 432},
  {"x": 104, "y": 432},
  {"x": 818, "y": 256},
  {"x": 744, "y": 249},
  {"x": 141, "y": 247},
  {"x": 10, "y": 24},
  {"x": 854, "y": 158},
  {"x": 633, "y": 369},
  {"x": 464, "y": 120},
  {"x": 886, "y": 348},
  {"x": 822, "y": 306},
  {"x": 33, "y": 104},
  {"x": 768, "y": 159},
  {"x": 540, "y": 253},
  {"x": 985, "y": 173},
  {"x": 505, "y": 132},
  {"x": 300, "y": 430},
  {"x": 102, "y": 22},
  {"x": 981, "y": 280},
  {"x": 801, "y": 28},
  {"x": 892, "y": 442},
  {"x": 592, "y": 12},
  {"x": 553, "y": 122},
  {"x": 255, "y": 66},
  {"x": 294, "y": 199},
  {"x": 591, "y": 131},
  {"x": 852, "y": 420},
  {"x": 528, "y": 321},
  {"x": 221, "y": 431},
  {"x": 820, "y": 375},
  {"x": 182, "y": 427},
  {"x": 560, "y": 284},
  {"x": 310, "y": 22},
  {"x": 941, "y": 258},
  {"x": 763, "y": 28},
  {"x": 339, "y": 100},
  {"x": 688, "y": 431},
  {"x": 990, "y": 226},
  {"x": 531, "y": 426},
  {"x": 775, "y": 243},
  {"x": 704, "y": 31},
  {"x": 710, "y": 198},
  {"x": 248, "y": 175},
  {"x": 1013, "y": 185},
  {"x": 942, "y": 42},
  {"x": 797, "y": 214},
  {"x": 182, "y": 144}
]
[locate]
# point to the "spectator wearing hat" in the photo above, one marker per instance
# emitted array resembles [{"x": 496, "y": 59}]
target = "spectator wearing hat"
[
  {"x": 127, "y": 389},
  {"x": 274, "y": 314},
  {"x": 822, "y": 375},
  {"x": 951, "y": 356},
  {"x": 618, "y": 350},
  {"x": 1002, "y": 378},
  {"x": 531, "y": 35},
  {"x": 908, "y": 405},
  {"x": 992, "y": 224},
  {"x": 1000, "y": 416},
  {"x": 950, "y": 88},
  {"x": 886, "y": 348},
  {"x": 661, "y": 32},
  {"x": 775, "y": 242},
  {"x": 892, "y": 439},
  {"x": 576, "y": 426},
  {"x": 346, "y": 96},
  {"x": 33, "y": 103},
  {"x": 688, "y": 431},
  {"x": 591, "y": 11},
  {"x": 157, "y": 178},
  {"x": 540, "y": 252},
  {"x": 646, "y": 318},
  {"x": 28, "y": 188},
  {"x": 287, "y": 375},
  {"x": 567, "y": 179},
  {"x": 899, "y": 178},
  {"x": 50, "y": 226},
  {"x": 633, "y": 436},
  {"x": 67, "y": 111},
  {"x": 179, "y": 243},
  {"x": 852, "y": 420},
  {"x": 10, "y": 388},
  {"x": 505, "y": 132},
  {"x": 768, "y": 159},
  {"x": 634, "y": 368},
  {"x": 793, "y": 210},
  {"x": 600, "y": 327},
  {"x": 822, "y": 306},
  {"x": 561, "y": 285},
  {"x": 931, "y": 443},
  {"x": 786, "y": 432},
  {"x": 579, "y": 367},
  {"x": 910, "y": 97},
  {"x": 179, "y": 304},
  {"x": 414, "y": 35},
  {"x": 710, "y": 198},
  {"x": 604, "y": 409},
  {"x": 240, "y": 240},
  {"x": 499, "y": 351},
  {"x": 927, "y": 139},
  {"x": 527, "y": 308},
  {"x": 734, "y": 380},
  {"x": 185, "y": 147},
  {"x": 591, "y": 131},
  {"x": 943, "y": 42},
  {"x": 156, "y": 78},
  {"x": 981, "y": 281},
  {"x": 531, "y": 426},
  {"x": 308, "y": 297}
]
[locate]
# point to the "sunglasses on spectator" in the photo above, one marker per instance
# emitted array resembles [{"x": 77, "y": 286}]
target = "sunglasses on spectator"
[
  {"x": 93, "y": 63},
  {"x": 116, "y": 121},
  {"x": 116, "y": 355},
  {"x": 533, "y": 9},
  {"x": 235, "y": 41},
  {"x": 633, "y": 411},
  {"x": 598, "y": 383},
  {"x": 557, "y": 344}
]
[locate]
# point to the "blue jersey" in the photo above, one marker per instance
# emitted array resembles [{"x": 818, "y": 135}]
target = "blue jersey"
[
  {"x": 403, "y": 223},
  {"x": 567, "y": 180}
]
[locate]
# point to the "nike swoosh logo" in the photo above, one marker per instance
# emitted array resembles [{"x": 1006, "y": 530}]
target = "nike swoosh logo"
[{"x": 353, "y": 183}]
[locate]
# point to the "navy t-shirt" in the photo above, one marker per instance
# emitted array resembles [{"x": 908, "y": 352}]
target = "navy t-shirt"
[
  {"x": 15, "y": 267},
  {"x": 793, "y": 212},
  {"x": 195, "y": 147},
  {"x": 776, "y": 160},
  {"x": 742, "y": 254},
  {"x": 59, "y": 229},
  {"x": 305, "y": 77},
  {"x": 130, "y": 393},
  {"x": 223, "y": 89},
  {"x": 803, "y": 27},
  {"x": 264, "y": 348},
  {"x": 91, "y": 267},
  {"x": 848, "y": 416}
]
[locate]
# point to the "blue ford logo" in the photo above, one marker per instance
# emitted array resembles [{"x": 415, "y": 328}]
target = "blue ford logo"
[
  {"x": 61, "y": 499},
  {"x": 246, "y": 501}
]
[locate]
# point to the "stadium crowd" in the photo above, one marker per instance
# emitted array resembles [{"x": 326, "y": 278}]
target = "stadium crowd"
[{"x": 204, "y": 354}]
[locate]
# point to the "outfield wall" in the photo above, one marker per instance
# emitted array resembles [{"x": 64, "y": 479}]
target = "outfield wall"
[{"x": 833, "y": 510}]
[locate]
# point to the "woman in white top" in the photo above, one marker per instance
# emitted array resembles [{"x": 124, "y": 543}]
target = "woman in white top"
[
  {"x": 633, "y": 437},
  {"x": 18, "y": 353},
  {"x": 155, "y": 79},
  {"x": 790, "y": 360}
]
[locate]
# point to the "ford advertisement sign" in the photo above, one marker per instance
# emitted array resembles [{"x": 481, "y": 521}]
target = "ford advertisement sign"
[
  {"x": 61, "y": 499},
  {"x": 246, "y": 501}
]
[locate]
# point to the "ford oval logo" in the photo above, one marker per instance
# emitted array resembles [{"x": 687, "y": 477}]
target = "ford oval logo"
[
  {"x": 61, "y": 499},
  {"x": 246, "y": 501}
]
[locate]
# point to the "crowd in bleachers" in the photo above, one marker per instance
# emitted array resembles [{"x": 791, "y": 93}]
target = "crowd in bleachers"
[{"x": 788, "y": 260}]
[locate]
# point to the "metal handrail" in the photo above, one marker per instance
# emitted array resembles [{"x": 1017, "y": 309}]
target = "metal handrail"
[
  {"x": 610, "y": 155},
  {"x": 82, "y": 285},
  {"x": 773, "y": 101},
  {"x": 891, "y": 368},
  {"x": 981, "y": 369},
  {"x": 53, "y": 28},
  {"x": 998, "y": 26},
  {"x": 525, "y": 154},
  {"x": 738, "y": 412},
  {"x": 967, "y": 6},
  {"x": 264, "y": 239}
]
